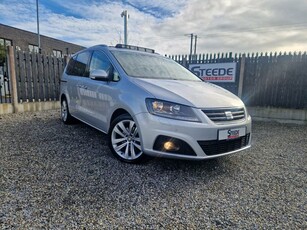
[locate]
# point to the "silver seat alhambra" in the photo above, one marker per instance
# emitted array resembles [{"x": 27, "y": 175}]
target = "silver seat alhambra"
[{"x": 150, "y": 105}]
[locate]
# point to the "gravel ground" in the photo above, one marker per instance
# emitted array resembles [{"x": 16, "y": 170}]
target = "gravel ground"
[{"x": 64, "y": 177}]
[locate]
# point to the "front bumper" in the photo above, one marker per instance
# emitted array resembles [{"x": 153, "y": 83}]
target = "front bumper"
[{"x": 192, "y": 133}]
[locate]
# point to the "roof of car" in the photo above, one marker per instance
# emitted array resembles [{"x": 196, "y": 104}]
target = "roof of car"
[{"x": 123, "y": 47}]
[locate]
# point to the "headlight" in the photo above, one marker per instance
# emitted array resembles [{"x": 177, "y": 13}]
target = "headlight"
[{"x": 170, "y": 110}]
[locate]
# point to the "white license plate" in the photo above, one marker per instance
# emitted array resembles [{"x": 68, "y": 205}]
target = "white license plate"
[{"x": 229, "y": 134}]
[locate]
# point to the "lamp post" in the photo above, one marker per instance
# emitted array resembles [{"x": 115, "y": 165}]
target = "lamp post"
[
  {"x": 38, "y": 36},
  {"x": 125, "y": 15}
]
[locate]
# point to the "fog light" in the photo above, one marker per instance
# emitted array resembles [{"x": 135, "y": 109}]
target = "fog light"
[{"x": 170, "y": 146}]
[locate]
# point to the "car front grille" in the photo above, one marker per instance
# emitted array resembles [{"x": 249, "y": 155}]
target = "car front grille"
[
  {"x": 219, "y": 147},
  {"x": 225, "y": 114}
]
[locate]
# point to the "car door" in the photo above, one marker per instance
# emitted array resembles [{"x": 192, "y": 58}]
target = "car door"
[
  {"x": 77, "y": 69},
  {"x": 96, "y": 100}
]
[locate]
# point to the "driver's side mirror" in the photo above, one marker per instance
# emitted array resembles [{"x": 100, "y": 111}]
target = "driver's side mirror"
[{"x": 99, "y": 74}]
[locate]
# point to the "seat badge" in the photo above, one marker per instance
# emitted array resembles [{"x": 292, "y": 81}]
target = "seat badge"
[{"x": 228, "y": 115}]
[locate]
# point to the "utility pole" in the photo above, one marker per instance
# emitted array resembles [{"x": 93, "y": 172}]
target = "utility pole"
[
  {"x": 191, "y": 45},
  {"x": 195, "y": 44},
  {"x": 126, "y": 16},
  {"x": 38, "y": 36}
]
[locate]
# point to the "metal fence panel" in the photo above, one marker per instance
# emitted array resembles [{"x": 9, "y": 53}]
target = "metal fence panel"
[
  {"x": 276, "y": 81},
  {"x": 270, "y": 80}
]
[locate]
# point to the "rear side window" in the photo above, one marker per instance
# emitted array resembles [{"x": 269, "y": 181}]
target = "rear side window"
[
  {"x": 77, "y": 65},
  {"x": 70, "y": 66}
]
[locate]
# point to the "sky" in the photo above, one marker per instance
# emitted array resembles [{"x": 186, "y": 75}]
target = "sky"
[{"x": 237, "y": 26}]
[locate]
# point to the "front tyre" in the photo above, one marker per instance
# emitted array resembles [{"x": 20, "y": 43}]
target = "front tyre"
[
  {"x": 65, "y": 115},
  {"x": 124, "y": 139}
]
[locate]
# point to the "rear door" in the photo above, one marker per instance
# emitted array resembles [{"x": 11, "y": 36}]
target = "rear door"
[{"x": 77, "y": 69}]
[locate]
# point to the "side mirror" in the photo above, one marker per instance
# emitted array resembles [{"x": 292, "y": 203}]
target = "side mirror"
[{"x": 99, "y": 74}]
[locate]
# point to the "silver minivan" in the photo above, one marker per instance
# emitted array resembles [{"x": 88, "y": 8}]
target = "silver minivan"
[{"x": 150, "y": 105}]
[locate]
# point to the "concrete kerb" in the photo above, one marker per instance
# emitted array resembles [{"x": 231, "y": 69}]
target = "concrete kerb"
[
  {"x": 297, "y": 116},
  {"x": 29, "y": 107}
]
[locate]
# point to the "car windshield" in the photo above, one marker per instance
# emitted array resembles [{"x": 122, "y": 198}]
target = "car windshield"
[{"x": 142, "y": 65}]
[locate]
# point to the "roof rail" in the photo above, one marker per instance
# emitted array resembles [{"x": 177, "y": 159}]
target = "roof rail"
[{"x": 123, "y": 46}]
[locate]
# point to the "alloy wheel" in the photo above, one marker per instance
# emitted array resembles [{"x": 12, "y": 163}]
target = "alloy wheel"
[
  {"x": 64, "y": 110},
  {"x": 126, "y": 141}
]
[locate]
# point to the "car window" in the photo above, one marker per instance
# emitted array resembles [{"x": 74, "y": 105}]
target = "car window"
[
  {"x": 70, "y": 66},
  {"x": 143, "y": 65},
  {"x": 100, "y": 61},
  {"x": 78, "y": 64}
]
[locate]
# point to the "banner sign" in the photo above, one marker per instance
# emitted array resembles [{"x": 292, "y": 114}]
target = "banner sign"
[{"x": 215, "y": 72}]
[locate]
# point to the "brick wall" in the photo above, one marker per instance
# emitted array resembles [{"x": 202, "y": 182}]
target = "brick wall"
[{"x": 23, "y": 38}]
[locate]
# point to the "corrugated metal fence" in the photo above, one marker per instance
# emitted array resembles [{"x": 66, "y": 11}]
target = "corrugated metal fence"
[
  {"x": 276, "y": 80},
  {"x": 270, "y": 80}
]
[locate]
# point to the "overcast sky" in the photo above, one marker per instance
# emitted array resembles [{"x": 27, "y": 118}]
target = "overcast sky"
[{"x": 221, "y": 25}]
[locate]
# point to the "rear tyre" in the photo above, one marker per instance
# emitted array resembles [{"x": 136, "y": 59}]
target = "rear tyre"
[
  {"x": 65, "y": 115},
  {"x": 124, "y": 140}
]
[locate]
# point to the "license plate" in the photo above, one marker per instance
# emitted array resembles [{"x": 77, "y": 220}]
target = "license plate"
[{"x": 229, "y": 134}]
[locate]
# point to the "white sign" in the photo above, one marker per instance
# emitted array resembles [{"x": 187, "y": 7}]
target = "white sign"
[
  {"x": 215, "y": 72},
  {"x": 234, "y": 133}
]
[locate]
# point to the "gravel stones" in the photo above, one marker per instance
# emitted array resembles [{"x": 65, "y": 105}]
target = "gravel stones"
[{"x": 65, "y": 177}]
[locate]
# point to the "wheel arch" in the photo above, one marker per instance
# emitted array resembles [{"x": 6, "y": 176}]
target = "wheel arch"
[
  {"x": 116, "y": 114},
  {"x": 63, "y": 96}
]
